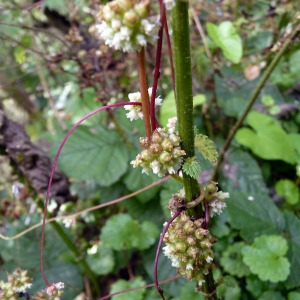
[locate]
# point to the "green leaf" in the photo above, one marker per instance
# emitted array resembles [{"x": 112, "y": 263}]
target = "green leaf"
[
  {"x": 271, "y": 295},
  {"x": 268, "y": 140},
  {"x": 229, "y": 289},
  {"x": 199, "y": 99},
  {"x": 255, "y": 286},
  {"x": 226, "y": 37},
  {"x": 289, "y": 190},
  {"x": 118, "y": 232},
  {"x": 122, "y": 285},
  {"x": 135, "y": 180},
  {"x": 122, "y": 232},
  {"x": 19, "y": 54},
  {"x": 102, "y": 262},
  {"x": 265, "y": 258},
  {"x": 294, "y": 62},
  {"x": 168, "y": 108},
  {"x": 232, "y": 260},
  {"x": 254, "y": 214},
  {"x": 293, "y": 296},
  {"x": 192, "y": 168},
  {"x": 188, "y": 291},
  {"x": 293, "y": 238},
  {"x": 206, "y": 147},
  {"x": 94, "y": 153}
]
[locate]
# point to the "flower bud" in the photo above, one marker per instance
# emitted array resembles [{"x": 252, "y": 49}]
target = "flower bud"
[
  {"x": 156, "y": 137},
  {"x": 189, "y": 227},
  {"x": 144, "y": 142},
  {"x": 146, "y": 155},
  {"x": 130, "y": 17},
  {"x": 165, "y": 157},
  {"x": 167, "y": 145},
  {"x": 155, "y": 148}
]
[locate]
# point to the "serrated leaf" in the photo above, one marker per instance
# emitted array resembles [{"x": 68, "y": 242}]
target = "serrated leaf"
[
  {"x": 226, "y": 37},
  {"x": 289, "y": 190},
  {"x": 206, "y": 147},
  {"x": 232, "y": 260},
  {"x": 122, "y": 285},
  {"x": 265, "y": 258},
  {"x": 122, "y": 232},
  {"x": 102, "y": 262},
  {"x": 254, "y": 214},
  {"x": 100, "y": 155},
  {"x": 268, "y": 140},
  {"x": 192, "y": 168}
]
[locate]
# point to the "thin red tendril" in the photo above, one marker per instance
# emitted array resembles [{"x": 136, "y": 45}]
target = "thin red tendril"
[
  {"x": 53, "y": 170},
  {"x": 160, "y": 291},
  {"x": 154, "y": 122}
]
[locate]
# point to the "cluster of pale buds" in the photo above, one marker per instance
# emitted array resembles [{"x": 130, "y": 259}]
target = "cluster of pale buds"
[
  {"x": 161, "y": 152},
  {"x": 126, "y": 24},
  {"x": 54, "y": 289},
  {"x": 135, "y": 111},
  {"x": 188, "y": 245},
  {"x": 215, "y": 199},
  {"x": 18, "y": 282}
]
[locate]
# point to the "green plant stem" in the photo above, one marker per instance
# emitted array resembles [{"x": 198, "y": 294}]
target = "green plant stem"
[
  {"x": 144, "y": 91},
  {"x": 76, "y": 252},
  {"x": 183, "y": 89},
  {"x": 184, "y": 102},
  {"x": 253, "y": 97}
]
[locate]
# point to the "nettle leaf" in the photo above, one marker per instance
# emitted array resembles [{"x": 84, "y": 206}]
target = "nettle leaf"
[
  {"x": 98, "y": 155},
  {"x": 192, "y": 167},
  {"x": 121, "y": 232},
  {"x": 102, "y": 262},
  {"x": 206, "y": 147},
  {"x": 268, "y": 140},
  {"x": 226, "y": 37},
  {"x": 122, "y": 285},
  {"x": 289, "y": 190},
  {"x": 254, "y": 215},
  {"x": 232, "y": 260},
  {"x": 293, "y": 238},
  {"x": 265, "y": 258}
]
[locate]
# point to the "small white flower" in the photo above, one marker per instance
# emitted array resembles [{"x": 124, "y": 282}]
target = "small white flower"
[
  {"x": 209, "y": 259},
  {"x": 169, "y": 4},
  {"x": 189, "y": 267},
  {"x": 23, "y": 288}
]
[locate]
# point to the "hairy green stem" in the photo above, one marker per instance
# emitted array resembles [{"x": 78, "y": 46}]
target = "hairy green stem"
[
  {"x": 184, "y": 102},
  {"x": 253, "y": 97},
  {"x": 183, "y": 89}
]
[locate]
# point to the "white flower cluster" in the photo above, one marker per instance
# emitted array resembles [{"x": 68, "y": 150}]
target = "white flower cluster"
[
  {"x": 125, "y": 24},
  {"x": 54, "y": 288},
  {"x": 18, "y": 282},
  {"x": 215, "y": 199},
  {"x": 162, "y": 152},
  {"x": 135, "y": 111},
  {"x": 188, "y": 246}
]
